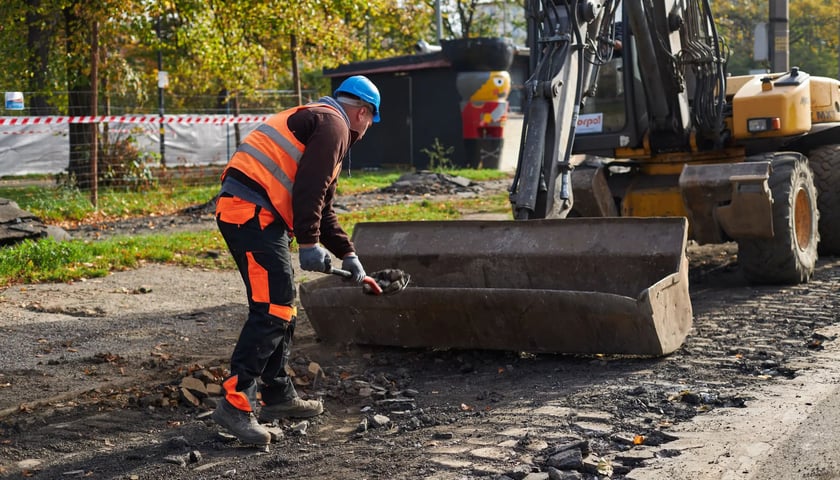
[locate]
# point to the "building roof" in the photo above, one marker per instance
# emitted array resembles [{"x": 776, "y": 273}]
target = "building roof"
[{"x": 389, "y": 65}]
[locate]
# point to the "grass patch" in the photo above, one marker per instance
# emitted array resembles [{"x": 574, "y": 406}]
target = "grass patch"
[
  {"x": 67, "y": 206},
  {"x": 426, "y": 210},
  {"x": 34, "y": 261},
  {"x": 63, "y": 206},
  {"x": 45, "y": 260}
]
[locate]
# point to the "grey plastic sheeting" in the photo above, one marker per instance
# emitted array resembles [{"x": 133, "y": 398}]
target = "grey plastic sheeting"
[{"x": 45, "y": 149}]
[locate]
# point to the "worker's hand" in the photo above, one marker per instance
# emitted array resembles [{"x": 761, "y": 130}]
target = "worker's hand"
[
  {"x": 315, "y": 259},
  {"x": 352, "y": 264}
]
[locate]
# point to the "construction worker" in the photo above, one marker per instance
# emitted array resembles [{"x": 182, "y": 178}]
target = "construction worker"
[{"x": 279, "y": 184}]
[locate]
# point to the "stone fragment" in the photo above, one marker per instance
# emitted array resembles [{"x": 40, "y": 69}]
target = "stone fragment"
[
  {"x": 300, "y": 427},
  {"x": 537, "y": 476},
  {"x": 176, "y": 460},
  {"x": 635, "y": 457},
  {"x": 555, "y": 474},
  {"x": 188, "y": 397},
  {"x": 29, "y": 463},
  {"x": 214, "y": 390},
  {"x": 379, "y": 421},
  {"x": 177, "y": 443},
  {"x": 195, "y": 386},
  {"x": 276, "y": 433},
  {"x": 206, "y": 376},
  {"x": 571, "y": 459}
]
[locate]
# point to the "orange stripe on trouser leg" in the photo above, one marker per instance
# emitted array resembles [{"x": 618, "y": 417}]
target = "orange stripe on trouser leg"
[
  {"x": 282, "y": 311},
  {"x": 238, "y": 399},
  {"x": 258, "y": 278}
]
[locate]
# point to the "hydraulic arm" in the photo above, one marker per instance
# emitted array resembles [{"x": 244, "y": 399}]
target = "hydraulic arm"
[{"x": 568, "y": 40}]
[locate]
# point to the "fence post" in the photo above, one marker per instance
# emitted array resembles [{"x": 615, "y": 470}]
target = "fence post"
[
  {"x": 94, "y": 111},
  {"x": 162, "y": 80}
]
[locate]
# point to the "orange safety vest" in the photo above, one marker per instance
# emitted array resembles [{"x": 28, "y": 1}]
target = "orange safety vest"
[{"x": 270, "y": 156}]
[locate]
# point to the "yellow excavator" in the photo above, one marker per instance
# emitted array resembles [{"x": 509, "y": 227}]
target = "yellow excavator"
[{"x": 635, "y": 140}]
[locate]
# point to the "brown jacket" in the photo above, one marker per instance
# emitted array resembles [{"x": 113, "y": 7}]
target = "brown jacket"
[
  {"x": 326, "y": 135},
  {"x": 328, "y": 138}
]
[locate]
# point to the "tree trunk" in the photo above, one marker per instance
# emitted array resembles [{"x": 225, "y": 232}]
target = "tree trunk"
[
  {"x": 293, "y": 47},
  {"x": 40, "y": 29},
  {"x": 79, "y": 101}
]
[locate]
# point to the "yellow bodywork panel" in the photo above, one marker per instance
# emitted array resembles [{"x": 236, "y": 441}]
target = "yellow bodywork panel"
[
  {"x": 825, "y": 98},
  {"x": 785, "y": 97},
  {"x": 653, "y": 199}
]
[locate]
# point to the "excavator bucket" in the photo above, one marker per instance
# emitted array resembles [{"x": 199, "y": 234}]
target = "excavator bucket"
[{"x": 580, "y": 285}]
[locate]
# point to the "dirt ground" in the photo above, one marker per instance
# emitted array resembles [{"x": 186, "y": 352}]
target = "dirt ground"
[{"x": 115, "y": 378}]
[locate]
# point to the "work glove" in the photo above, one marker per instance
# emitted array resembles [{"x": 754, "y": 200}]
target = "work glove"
[
  {"x": 315, "y": 259},
  {"x": 352, "y": 264}
]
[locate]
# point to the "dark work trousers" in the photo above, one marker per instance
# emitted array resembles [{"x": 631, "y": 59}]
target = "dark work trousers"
[{"x": 262, "y": 255}]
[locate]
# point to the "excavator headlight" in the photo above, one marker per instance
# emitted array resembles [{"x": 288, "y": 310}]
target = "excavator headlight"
[{"x": 758, "y": 125}]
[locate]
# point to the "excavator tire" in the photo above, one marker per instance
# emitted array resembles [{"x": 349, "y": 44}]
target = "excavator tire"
[
  {"x": 790, "y": 255},
  {"x": 825, "y": 162}
]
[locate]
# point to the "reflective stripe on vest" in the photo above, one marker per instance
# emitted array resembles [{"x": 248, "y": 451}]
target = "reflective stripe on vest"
[{"x": 270, "y": 156}]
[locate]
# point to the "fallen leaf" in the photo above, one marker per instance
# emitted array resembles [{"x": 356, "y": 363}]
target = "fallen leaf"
[
  {"x": 315, "y": 369},
  {"x": 604, "y": 468}
]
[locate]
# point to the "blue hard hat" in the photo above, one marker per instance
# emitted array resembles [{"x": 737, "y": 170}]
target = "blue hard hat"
[{"x": 361, "y": 87}]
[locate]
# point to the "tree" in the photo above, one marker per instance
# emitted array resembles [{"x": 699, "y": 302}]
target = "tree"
[
  {"x": 480, "y": 18},
  {"x": 112, "y": 18},
  {"x": 813, "y": 27},
  {"x": 236, "y": 47}
]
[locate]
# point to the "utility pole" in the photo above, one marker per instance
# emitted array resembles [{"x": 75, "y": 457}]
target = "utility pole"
[{"x": 779, "y": 36}]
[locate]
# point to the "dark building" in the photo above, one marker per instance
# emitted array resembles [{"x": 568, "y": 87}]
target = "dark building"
[{"x": 420, "y": 104}]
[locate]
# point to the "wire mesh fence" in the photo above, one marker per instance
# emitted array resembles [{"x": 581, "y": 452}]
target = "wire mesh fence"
[{"x": 135, "y": 147}]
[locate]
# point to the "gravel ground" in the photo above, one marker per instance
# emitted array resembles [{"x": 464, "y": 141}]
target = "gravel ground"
[{"x": 92, "y": 381}]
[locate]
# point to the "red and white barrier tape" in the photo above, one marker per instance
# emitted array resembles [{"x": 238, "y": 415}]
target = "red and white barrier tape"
[{"x": 166, "y": 119}]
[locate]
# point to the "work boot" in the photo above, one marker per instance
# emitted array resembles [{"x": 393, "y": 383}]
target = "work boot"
[
  {"x": 280, "y": 400},
  {"x": 236, "y": 414},
  {"x": 296, "y": 407}
]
